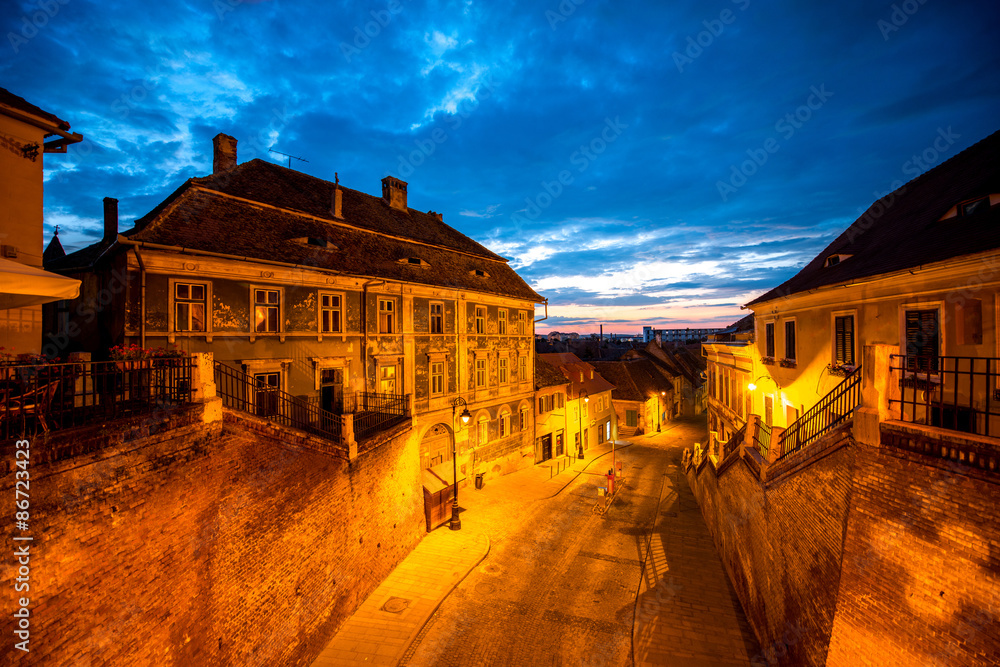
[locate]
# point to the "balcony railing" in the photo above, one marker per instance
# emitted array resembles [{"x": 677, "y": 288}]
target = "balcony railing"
[
  {"x": 832, "y": 410},
  {"x": 242, "y": 392},
  {"x": 374, "y": 412},
  {"x": 734, "y": 442},
  {"x": 762, "y": 439},
  {"x": 956, "y": 393},
  {"x": 49, "y": 397}
]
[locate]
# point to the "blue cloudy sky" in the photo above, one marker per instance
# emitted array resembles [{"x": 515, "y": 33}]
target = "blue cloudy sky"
[{"x": 638, "y": 162}]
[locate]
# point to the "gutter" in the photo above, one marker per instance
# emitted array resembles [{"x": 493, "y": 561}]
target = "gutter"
[{"x": 58, "y": 146}]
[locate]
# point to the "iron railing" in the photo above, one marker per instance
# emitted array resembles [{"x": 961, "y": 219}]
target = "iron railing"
[
  {"x": 375, "y": 412},
  {"x": 762, "y": 439},
  {"x": 834, "y": 409},
  {"x": 50, "y": 397},
  {"x": 734, "y": 442},
  {"x": 956, "y": 393},
  {"x": 242, "y": 392}
]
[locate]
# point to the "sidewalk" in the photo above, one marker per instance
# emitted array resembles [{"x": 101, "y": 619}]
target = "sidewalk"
[{"x": 378, "y": 634}]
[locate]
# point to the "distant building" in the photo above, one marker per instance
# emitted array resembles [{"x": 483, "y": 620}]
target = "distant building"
[
  {"x": 590, "y": 414},
  {"x": 644, "y": 394},
  {"x": 676, "y": 335},
  {"x": 551, "y": 424}
]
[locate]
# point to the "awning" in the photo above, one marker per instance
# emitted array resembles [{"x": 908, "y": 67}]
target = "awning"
[{"x": 22, "y": 285}]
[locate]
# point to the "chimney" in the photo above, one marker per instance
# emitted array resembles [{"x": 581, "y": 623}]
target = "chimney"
[
  {"x": 224, "y": 157},
  {"x": 438, "y": 216},
  {"x": 110, "y": 219},
  {"x": 337, "y": 199},
  {"x": 394, "y": 192}
]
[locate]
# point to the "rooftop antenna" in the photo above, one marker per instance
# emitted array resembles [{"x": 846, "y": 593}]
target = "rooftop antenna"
[{"x": 290, "y": 157}]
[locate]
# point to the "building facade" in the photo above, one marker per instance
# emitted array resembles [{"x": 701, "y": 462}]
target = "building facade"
[
  {"x": 590, "y": 414},
  {"x": 644, "y": 395}
]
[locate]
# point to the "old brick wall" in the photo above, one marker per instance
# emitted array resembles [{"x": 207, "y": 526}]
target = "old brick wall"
[
  {"x": 234, "y": 544},
  {"x": 781, "y": 546},
  {"x": 921, "y": 579}
]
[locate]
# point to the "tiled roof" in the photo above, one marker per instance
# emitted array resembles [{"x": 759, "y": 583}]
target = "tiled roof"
[
  {"x": 11, "y": 100},
  {"x": 571, "y": 366},
  {"x": 370, "y": 241},
  {"x": 903, "y": 230},
  {"x": 547, "y": 375},
  {"x": 634, "y": 379}
]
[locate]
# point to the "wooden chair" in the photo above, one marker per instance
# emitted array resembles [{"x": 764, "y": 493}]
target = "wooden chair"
[{"x": 34, "y": 403}]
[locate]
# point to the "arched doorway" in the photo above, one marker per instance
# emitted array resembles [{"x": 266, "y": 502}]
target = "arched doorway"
[{"x": 435, "y": 446}]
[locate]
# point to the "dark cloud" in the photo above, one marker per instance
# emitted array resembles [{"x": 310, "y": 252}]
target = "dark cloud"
[{"x": 638, "y": 233}]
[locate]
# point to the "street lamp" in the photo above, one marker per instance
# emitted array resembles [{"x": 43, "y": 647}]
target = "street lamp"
[
  {"x": 456, "y": 523},
  {"x": 659, "y": 411},
  {"x": 583, "y": 405},
  {"x": 753, "y": 385}
]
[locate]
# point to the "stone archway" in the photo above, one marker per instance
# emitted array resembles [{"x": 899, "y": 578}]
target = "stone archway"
[{"x": 435, "y": 446}]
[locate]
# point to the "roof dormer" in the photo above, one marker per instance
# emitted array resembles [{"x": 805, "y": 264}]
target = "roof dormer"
[
  {"x": 835, "y": 259},
  {"x": 970, "y": 207}
]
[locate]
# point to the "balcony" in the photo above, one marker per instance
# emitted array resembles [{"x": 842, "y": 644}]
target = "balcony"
[
  {"x": 954, "y": 393},
  {"x": 42, "y": 397}
]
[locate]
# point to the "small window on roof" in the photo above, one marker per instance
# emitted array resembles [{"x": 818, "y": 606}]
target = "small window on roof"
[
  {"x": 414, "y": 261},
  {"x": 479, "y": 273},
  {"x": 975, "y": 206},
  {"x": 834, "y": 260}
]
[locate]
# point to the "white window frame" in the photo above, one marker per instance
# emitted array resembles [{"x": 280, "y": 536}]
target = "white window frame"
[
  {"x": 522, "y": 323},
  {"x": 522, "y": 368},
  {"x": 483, "y": 430},
  {"x": 502, "y": 322},
  {"x": 431, "y": 316},
  {"x": 503, "y": 364},
  {"x": 522, "y": 414},
  {"x": 339, "y": 309},
  {"x": 172, "y": 309},
  {"x": 482, "y": 366},
  {"x": 443, "y": 375},
  {"x": 504, "y": 423},
  {"x": 393, "y": 319},
  {"x": 395, "y": 377},
  {"x": 481, "y": 317},
  {"x": 281, "y": 311}
]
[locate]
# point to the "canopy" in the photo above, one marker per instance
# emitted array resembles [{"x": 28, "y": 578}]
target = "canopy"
[{"x": 22, "y": 285}]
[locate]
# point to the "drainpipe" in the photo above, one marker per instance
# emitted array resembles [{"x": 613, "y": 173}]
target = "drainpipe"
[{"x": 142, "y": 297}]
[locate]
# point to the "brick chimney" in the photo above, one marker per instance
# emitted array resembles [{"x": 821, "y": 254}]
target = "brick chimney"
[
  {"x": 110, "y": 219},
  {"x": 337, "y": 199},
  {"x": 394, "y": 192},
  {"x": 224, "y": 157}
]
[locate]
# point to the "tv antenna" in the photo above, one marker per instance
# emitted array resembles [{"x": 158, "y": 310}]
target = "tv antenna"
[{"x": 290, "y": 157}]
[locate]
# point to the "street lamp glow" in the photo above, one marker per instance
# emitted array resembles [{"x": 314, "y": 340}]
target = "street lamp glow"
[{"x": 751, "y": 386}]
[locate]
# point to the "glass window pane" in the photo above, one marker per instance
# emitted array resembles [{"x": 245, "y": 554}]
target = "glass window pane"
[
  {"x": 181, "y": 318},
  {"x": 183, "y": 291},
  {"x": 197, "y": 317},
  {"x": 198, "y": 292}
]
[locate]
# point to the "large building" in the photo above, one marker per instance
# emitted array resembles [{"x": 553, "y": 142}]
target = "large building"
[
  {"x": 331, "y": 296},
  {"x": 589, "y": 413},
  {"x": 27, "y": 134}
]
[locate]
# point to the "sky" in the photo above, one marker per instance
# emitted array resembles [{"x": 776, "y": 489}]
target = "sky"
[{"x": 639, "y": 163}]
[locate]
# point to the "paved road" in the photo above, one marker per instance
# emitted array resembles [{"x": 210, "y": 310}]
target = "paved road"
[{"x": 559, "y": 586}]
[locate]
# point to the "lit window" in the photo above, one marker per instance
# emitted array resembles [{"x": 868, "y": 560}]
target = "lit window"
[
  {"x": 480, "y": 373},
  {"x": 387, "y": 379},
  {"x": 437, "y": 377},
  {"x": 386, "y": 316},
  {"x": 437, "y": 318},
  {"x": 266, "y": 308},
  {"x": 329, "y": 313},
  {"x": 503, "y": 370},
  {"x": 480, "y": 320},
  {"x": 483, "y": 431},
  {"x": 189, "y": 307},
  {"x": 502, "y": 322}
]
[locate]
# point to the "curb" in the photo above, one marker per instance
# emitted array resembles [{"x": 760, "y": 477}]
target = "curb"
[{"x": 444, "y": 596}]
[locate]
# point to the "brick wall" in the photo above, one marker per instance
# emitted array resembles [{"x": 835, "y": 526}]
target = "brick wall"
[
  {"x": 855, "y": 555},
  {"x": 781, "y": 547},
  {"x": 228, "y": 544}
]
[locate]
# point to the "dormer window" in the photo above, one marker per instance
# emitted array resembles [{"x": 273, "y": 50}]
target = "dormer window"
[
  {"x": 414, "y": 261},
  {"x": 316, "y": 242},
  {"x": 834, "y": 260},
  {"x": 479, "y": 273},
  {"x": 975, "y": 206}
]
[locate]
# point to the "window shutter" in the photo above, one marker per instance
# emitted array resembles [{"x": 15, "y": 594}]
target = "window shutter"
[{"x": 541, "y": 404}]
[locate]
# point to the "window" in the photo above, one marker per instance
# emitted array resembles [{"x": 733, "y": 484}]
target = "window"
[
  {"x": 631, "y": 418},
  {"x": 386, "y": 316},
  {"x": 789, "y": 339},
  {"x": 437, "y": 318},
  {"x": 560, "y": 400},
  {"x": 387, "y": 379},
  {"x": 266, "y": 388},
  {"x": 974, "y": 206},
  {"x": 522, "y": 323},
  {"x": 480, "y": 320},
  {"x": 266, "y": 308},
  {"x": 329, "y": 313},
  {"x": 769, "y": 340},
  {"x": 502, "y": 322},
  {"x": 522, "y": 371},
  {"x": 843, "y": 342},
  {"x": 480, "y": 373},
  {"x": 189, "y": 307},
  {"x": 523, "y": 419},
  {"x": 437, "y": 377},
  {"x": 769, "y": 410},
  {"x": 922, "y": 340},
  {"x": 505, "y": 425},
  {"x": 483, "y": 431},
  {"x": 503, "y": 369}
]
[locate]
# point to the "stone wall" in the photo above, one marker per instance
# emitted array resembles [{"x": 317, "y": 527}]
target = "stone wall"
[
  {"x": 845, "y": 554},
  {"x": 235, "y": 543}
]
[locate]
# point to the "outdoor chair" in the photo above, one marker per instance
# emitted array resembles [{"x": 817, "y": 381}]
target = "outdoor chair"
[{"x": 34, "y": 403}]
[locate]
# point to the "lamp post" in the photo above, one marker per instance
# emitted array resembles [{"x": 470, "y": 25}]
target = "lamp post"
[
  {"x": 456, "y": 523},
  {"x": 583, "y": 404},
  {"x": 659, "y": 411}
]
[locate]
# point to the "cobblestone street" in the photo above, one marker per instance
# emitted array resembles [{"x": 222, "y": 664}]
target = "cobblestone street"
[{"x": 559, "y": 586}]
